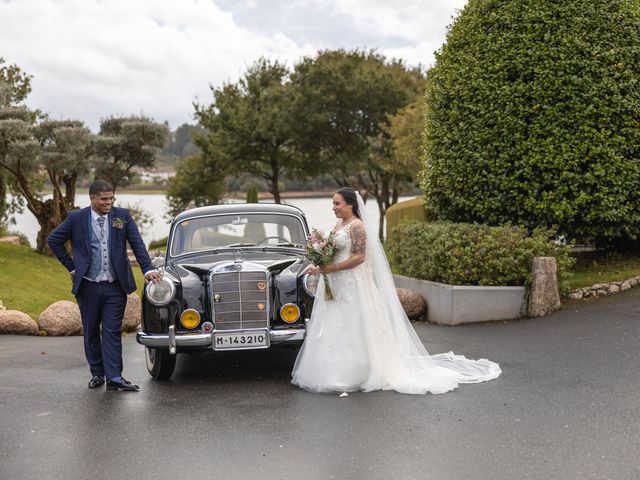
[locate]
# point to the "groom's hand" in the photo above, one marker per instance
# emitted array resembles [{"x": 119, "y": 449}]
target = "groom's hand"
[{"x": 154, "y": 277}]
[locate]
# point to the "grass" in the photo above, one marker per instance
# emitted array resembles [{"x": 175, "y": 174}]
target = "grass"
[
  {"x": 601, "y": 267},
  {"x": 30, "y": 282}
]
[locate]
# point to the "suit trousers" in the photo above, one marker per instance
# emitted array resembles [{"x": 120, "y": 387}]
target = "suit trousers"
[{"x": 102, "y": 303}]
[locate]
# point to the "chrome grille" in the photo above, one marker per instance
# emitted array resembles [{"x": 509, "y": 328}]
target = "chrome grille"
[{"x": 238, "y": 300}]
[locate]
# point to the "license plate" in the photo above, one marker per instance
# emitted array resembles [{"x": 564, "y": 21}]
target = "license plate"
[{"x": 240, "y": 341}]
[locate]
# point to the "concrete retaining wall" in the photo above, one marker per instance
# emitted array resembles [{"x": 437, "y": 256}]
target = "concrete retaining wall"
[{"x": 456, "y": 304}]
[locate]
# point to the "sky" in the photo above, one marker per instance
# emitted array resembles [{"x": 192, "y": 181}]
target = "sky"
[{"x": 92, "y": 59}]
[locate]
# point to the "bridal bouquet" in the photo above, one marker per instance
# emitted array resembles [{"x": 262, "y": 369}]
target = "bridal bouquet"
[{"x": 320, "y": 250}]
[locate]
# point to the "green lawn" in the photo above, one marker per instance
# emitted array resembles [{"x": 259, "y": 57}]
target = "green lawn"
[
  {"x": 30, "y": 282},
  {"x": 597, "y": 267}
]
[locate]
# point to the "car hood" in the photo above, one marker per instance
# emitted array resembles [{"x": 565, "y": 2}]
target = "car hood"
[{"x": 202, "y": 264}]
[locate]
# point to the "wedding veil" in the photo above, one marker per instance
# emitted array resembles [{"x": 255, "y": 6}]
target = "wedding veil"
[{"x": 414, "y": 360}]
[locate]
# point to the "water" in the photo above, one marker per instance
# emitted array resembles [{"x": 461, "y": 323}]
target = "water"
[{"x": 317, "y": 210}]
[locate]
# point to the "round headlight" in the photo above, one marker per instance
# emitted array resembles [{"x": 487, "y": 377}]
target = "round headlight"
[
  {"x": 190, "y": 318},
  {"x": 310, "y": 283},
  {"x": 161, "y": 293},
  {"x": 289, "y": 313}
]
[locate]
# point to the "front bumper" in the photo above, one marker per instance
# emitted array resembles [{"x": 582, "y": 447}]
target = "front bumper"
[{"x": 174, "y": 340}]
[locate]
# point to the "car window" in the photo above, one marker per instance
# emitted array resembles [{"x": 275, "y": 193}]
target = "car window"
[{"x": 236, "y": 230}]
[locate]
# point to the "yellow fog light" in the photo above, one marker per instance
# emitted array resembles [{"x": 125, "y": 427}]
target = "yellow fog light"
[
  {"x": 289, "y": 313},
  {"x": 190, "y": 318}
]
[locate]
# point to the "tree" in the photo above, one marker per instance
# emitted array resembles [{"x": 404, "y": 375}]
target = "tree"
[
  {"x": 252, "y": 194},
  {"x": 250, "y": 123},
  {"x": 406, "y": 129},
  {"x": 532, "y": 118},
  {"x": 125, "y": 143},
  {"x": 15, "y": 85},
  {"x": 199, "y": 181},
  {"x": 343, "y": 102},
  {"x": 181, "y": 143},
  {"x": 33, "y": 151}
]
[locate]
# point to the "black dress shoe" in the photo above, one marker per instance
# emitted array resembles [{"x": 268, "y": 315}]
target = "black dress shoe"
[
  {"x": 96, "y": 381},
  {"x": 125, "y": 385}
]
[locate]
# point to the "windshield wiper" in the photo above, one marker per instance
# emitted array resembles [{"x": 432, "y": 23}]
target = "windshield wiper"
[
  {"x": 281, "y": 245},
  {"x": 241, "y": 244}
]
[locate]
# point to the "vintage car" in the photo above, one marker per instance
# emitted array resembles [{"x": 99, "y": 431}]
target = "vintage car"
[{"x": 233, "y": 280}]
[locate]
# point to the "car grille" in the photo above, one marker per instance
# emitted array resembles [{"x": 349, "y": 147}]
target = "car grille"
[{"x": 240, "y": 300}]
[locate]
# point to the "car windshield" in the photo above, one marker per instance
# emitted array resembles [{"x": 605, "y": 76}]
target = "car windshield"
[{"x": 254, "y": 229}]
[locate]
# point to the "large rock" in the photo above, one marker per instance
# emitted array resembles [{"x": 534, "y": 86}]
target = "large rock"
[
  {"x": 17, "y": 323},
  {"x": 61, "y": 319},
  {"x": 544, "y": 296},
  {"x": 11, "y": 240},
  {"x": 413, "y": 303},
  {"x": 132, "y": 314}
]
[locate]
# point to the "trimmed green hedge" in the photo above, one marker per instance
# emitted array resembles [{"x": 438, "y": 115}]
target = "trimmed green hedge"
[
  {"x": 408, "y": 210},
  {"x": 473, "y": 254},
  {"x": 532, "y": 118}
]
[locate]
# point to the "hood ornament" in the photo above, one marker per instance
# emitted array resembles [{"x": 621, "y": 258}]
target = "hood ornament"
[{"x": 238, "y": 255}]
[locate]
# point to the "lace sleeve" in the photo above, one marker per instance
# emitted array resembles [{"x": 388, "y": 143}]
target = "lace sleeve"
[{"x": 358, "y": 238}]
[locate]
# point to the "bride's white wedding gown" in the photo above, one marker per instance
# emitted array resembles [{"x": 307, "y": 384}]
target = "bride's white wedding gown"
[{"x": 362, "y": 340}]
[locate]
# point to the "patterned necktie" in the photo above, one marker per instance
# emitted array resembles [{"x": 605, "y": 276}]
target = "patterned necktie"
[{"x": 101, "y": 221}]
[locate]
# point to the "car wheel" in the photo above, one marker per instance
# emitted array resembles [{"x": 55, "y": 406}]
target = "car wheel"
[{"x": 160, "y": 362}]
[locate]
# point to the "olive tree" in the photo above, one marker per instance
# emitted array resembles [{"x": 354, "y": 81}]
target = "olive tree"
[
  {"x": 126, "y": 143},
  {"x": 15, "y": 85},
  {"x": 34, "y": 152}
]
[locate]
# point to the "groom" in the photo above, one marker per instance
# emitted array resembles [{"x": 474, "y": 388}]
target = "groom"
[{"x": 102, "y": 277}]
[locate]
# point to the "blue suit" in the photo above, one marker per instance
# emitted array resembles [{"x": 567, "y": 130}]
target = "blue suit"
[{"x": 101, "y": 302}]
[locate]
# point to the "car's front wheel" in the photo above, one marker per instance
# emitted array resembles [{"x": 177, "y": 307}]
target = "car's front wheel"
[{"x": 160, "y": 362}]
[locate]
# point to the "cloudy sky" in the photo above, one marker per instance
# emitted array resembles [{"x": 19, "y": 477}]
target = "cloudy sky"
[{"x": 94, "y": 58}]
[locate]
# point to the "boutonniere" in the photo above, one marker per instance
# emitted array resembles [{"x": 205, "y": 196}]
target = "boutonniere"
[{"x": 118, "y": 223}]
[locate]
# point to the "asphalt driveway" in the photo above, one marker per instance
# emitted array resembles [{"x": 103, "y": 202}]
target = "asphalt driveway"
[{"x": 566, "y": 407}]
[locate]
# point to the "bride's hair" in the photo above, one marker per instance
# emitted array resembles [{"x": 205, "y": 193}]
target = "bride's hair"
[{"x": 349, "y": 195}]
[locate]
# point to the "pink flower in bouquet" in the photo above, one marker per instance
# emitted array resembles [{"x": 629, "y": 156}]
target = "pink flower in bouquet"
[{"x": 320, "y": 250}]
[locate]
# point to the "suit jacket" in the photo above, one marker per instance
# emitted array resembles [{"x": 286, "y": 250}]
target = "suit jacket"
[{"x": 76, "y": 228}]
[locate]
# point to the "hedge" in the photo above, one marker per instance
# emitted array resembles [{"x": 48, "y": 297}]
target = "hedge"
[
  {"x": 407, "y": 210},
  {"x": 473, "y": 254},
  {"x": 532, "y": 117}
]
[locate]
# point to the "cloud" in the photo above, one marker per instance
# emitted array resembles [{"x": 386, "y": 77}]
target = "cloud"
[
  {"x": 419, "y": 27},
  {"x": 92, "y": 58},
  {"x": 96, "y": 58}
]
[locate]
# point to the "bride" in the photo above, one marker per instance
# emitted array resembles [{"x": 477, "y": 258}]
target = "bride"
[{"x": 362, "y": 339}]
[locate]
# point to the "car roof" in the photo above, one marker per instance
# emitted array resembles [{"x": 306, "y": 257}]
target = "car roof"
[{"x": 239, "y": 208}]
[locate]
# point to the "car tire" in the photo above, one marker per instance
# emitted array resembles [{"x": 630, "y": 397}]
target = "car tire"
[{"x": 160, "y": 363}]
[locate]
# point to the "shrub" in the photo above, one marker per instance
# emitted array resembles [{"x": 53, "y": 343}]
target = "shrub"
[
  {"x": 252, "y": 194},
  {"x": 408, "y": 210},
  {"x": 473, "y": 254},
  {"x": 160, "y": 244},
  {"x": 532, "y": 118}
]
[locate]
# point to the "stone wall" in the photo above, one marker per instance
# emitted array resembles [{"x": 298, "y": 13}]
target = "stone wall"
[{"x": 603, "y": 289}]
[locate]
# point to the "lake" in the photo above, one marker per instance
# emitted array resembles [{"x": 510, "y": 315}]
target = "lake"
[{"x": 317, "y": 210}]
